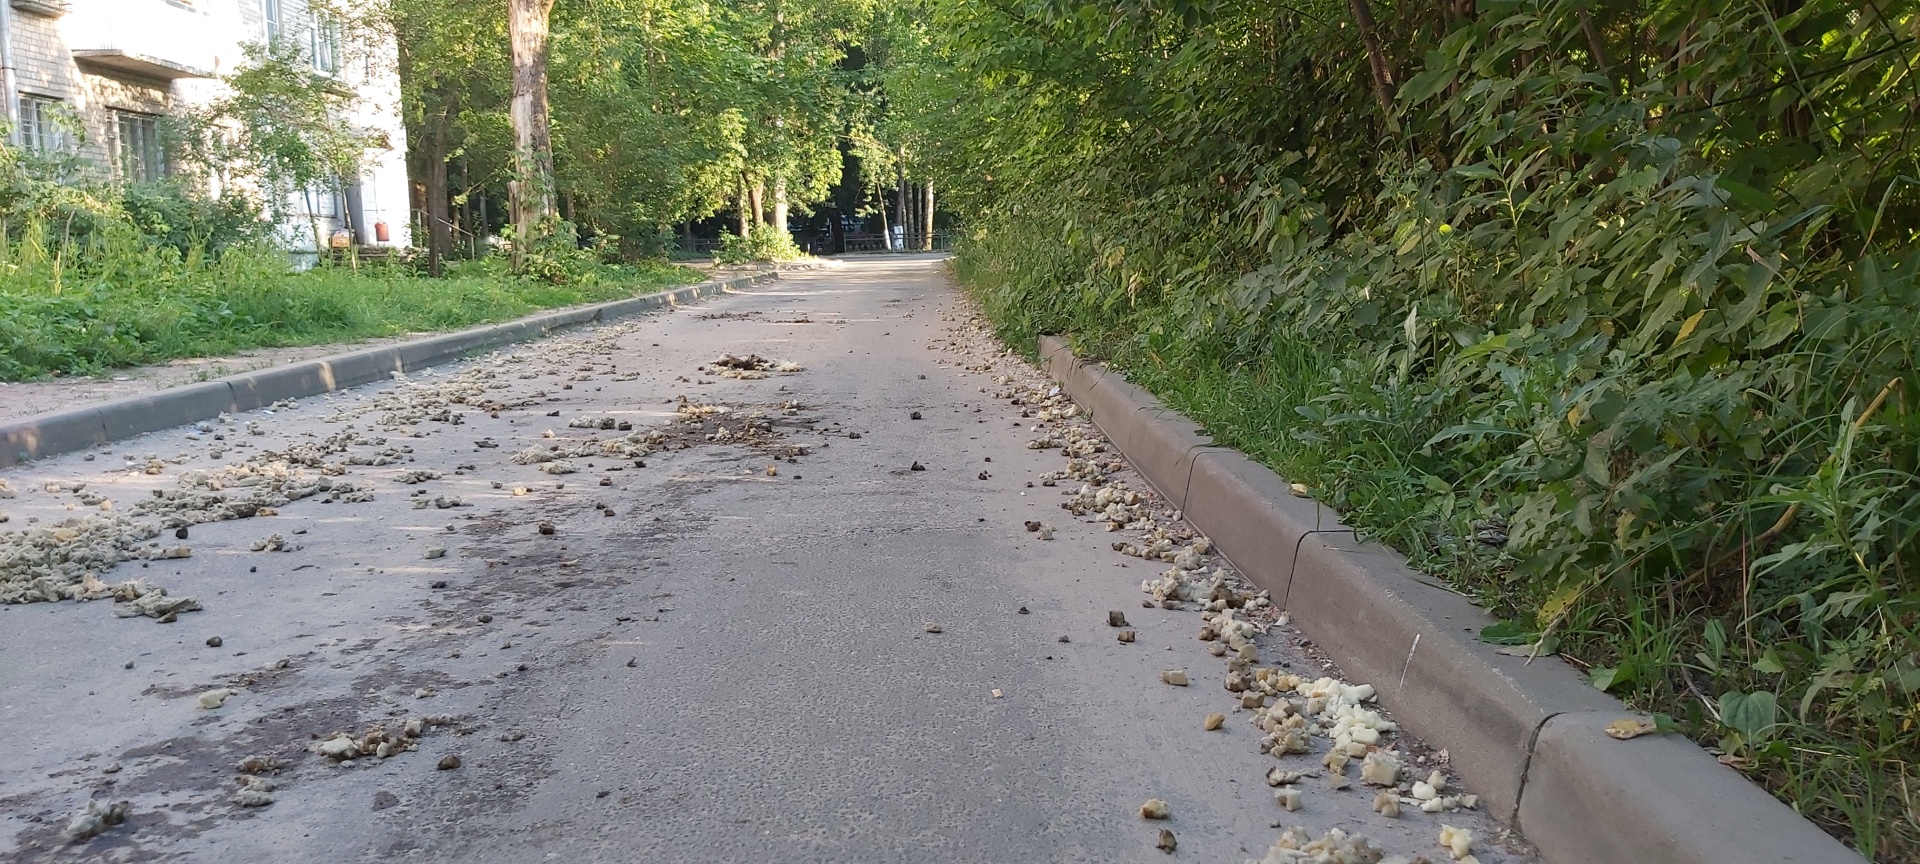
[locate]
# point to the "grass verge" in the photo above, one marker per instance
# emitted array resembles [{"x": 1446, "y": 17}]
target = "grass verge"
[
  {"x": 1802, "y": 676},
  {"x": 131, "y": 308}
]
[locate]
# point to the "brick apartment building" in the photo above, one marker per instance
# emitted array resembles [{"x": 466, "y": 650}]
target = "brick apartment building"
[{"x": 95, "y": 77}]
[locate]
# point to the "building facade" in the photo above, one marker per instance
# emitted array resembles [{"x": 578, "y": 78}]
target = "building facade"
[{"x": 95, "y": 78}]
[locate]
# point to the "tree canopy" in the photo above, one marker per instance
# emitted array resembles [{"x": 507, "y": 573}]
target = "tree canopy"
[{"x": 1626, "y": 284}]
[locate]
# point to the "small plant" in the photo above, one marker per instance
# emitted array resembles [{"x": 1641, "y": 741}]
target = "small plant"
[
  {"x": 557, "y": 255},
  {"x": 762, "y": 243}
]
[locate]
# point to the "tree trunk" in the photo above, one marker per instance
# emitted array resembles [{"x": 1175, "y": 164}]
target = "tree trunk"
[
  {"x": 743, "y": 204},
  {"x": 532, "y": 187},
  {"x": 914, "y": 218},
  {"x": 463, "y": 218},
  {"x": 481, "y": 226},
  {"x": 926, "y": 228},
  {"x": 313, "y": 222},
  {"x": 1383, "y": 87},
  {"x": 780, "y": 204},
  {"x": 906, "y": 216},
  {"x": 758, "y": 195},
  {"x": 912, "y": 232},
  {"x": 886, "y": 232},
  {"x": 1595, "y": 44},
  {"x": 439, "y": 238}
]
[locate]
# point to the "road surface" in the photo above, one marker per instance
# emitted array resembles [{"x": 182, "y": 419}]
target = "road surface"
[{"x": 724, "y": 649}]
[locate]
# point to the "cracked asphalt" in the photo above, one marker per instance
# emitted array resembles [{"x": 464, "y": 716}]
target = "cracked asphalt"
[{"x": 720, "y": 653}]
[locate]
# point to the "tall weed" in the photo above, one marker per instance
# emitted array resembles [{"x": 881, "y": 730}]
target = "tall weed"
[
  {"x": 1627, "y": 355},
  {"x": 70, "y": 307}
]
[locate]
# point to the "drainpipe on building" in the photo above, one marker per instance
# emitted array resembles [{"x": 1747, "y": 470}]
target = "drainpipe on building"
[{"x": 6, "y": 72}]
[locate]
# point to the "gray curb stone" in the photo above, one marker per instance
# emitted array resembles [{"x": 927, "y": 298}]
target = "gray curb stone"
[
  {"x": 1526, "y": 735},
  {"x": 56, "y": 432},
  {"x": 1666, "y": 801}
]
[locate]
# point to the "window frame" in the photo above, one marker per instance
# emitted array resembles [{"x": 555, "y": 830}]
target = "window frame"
[
  {"x": 273, "y": 23},
  {"x": 42, "y": 133},
  {"x": 323, "y": 44},
  {"x": 150, "y": 164}
]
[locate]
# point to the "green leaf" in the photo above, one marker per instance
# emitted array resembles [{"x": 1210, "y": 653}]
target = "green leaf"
[
  {"x": 1421, "y": 87},
  {"x": 1769, "y": 664},
  {"x": 1506, "y": 633},
  {"x": 1750, "y": 714},
  {"x": 1606, "y": 677},
  {"x": 1746, "y": 196}
]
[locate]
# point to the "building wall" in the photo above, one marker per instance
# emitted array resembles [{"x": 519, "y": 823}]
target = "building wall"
[
  {"x": 206, "y": 37},
  {"x": 40, "y": 60}
]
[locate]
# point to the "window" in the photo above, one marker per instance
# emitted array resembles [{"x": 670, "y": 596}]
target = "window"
[
  {"x": 43, "y": 124},
  {"x": 136, "y": 147},
  {"x": 270, "y": 11},
  {"x": 325, "y": 45}
]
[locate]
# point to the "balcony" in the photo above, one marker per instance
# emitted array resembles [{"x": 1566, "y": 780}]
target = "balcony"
[
  {"x": 149, "y": 39},
  {"x": 49, "y": 8},
  {"x": 119, "y": 60}
]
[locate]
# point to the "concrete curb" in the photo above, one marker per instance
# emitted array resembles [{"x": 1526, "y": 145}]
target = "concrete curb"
[
  {"x": 1527, "y": 736},
  {"x": 53, "y": 433}
]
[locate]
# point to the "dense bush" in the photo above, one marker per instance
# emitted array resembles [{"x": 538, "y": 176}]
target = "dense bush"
[
  {"x": 171, "y": 214},
  {"x": 1630, "y": 285},
  {"x": 122, "y": 301},
  {"x": 72, "y": 197},
  {"x": 763, "y": 243},
  {"x": 95, "y": 275}
]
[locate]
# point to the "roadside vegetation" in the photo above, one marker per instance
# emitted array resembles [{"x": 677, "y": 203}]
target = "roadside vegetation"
[
  {"x": 95, "y": 276},
  {"x": 1605, "y": 312},
  {"x": 125, "y": 304}
]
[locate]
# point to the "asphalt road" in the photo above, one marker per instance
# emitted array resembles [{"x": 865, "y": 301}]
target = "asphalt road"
[{"x": 724, "y": 655}]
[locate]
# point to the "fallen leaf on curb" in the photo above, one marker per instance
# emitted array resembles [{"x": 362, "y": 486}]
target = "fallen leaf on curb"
[
  {"x": 1154, "y": 809},
  {"x": 1167, "y": 844},
  {"x": 215, "y": 698},
  {"x": 1629, "y": 727}
]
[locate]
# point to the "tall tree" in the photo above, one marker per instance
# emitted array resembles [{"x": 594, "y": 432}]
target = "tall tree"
[{"x": 532, "y": 187}]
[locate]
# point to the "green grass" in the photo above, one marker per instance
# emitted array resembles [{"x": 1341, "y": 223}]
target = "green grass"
[
  {"x": 1824, "y": 628},
  {"x": 131, "y": 306}
]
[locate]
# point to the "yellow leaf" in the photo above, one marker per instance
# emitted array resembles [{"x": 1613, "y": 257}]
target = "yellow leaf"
[
  {"x": 1573, "y": 415},
  {"x": 1629, "y": 727},
  {"x": 1686, "y": 327},
  {"x": 1556, "y": 605}
]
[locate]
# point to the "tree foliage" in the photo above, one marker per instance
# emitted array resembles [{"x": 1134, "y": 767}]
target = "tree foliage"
[
  {"x": 277, "y": 125},
  {"x": 1630, "y": 284},
  {"x": 663, "y": 110}
]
